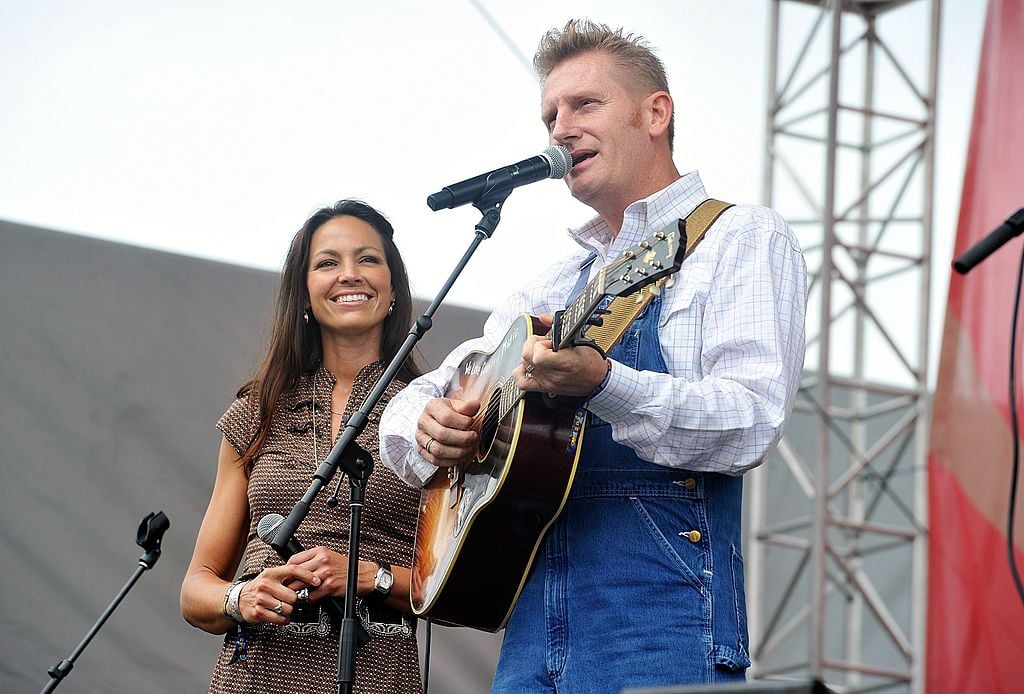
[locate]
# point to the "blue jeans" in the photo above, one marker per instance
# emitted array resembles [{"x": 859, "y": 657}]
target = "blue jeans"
[{"x": 640, "y": 580}]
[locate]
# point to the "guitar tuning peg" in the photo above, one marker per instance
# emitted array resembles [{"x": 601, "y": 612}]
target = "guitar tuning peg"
[
  {"x": 671, "y": 281},
  {"x": 596, "y": 321},
  {"x": 655, "y": 291}
]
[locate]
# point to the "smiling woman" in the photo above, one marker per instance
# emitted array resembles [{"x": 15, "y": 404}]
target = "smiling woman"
[
  {"x": 343, "y": 309},
  {"x": 349, "y": 285}
]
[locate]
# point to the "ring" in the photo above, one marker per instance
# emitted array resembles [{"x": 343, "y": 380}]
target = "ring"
[
  {"x": 529, "y": 370},
  {"x": 426, "y": 446},
  {"x": 278, "y": 608},
  {"x": 302, "y": 595}
]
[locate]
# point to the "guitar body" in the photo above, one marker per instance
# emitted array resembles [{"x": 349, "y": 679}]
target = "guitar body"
[{"x": 480, "y": 526}]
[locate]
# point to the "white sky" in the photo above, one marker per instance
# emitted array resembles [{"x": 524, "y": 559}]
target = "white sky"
[{"x": 214, "y": 128}]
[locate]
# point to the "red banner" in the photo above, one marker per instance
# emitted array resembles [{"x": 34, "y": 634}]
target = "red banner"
[{"x": 975, "y": 616}]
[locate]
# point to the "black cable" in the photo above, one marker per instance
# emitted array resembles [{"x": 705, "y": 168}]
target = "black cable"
[{"x": 1015, "y": 428}]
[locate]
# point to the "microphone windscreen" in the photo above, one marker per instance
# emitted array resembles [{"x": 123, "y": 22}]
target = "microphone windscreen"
[
  {"x": 561, "y": 160},
  {"x": 266, "y": 529}
]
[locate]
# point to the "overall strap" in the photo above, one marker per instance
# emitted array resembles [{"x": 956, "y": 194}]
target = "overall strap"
[{"x": 581, "y": 281}]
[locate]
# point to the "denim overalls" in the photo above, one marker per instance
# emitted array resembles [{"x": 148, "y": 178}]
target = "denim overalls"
[{"x": 640, "y": 580}]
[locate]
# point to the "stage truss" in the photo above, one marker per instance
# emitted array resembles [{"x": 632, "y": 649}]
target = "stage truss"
[{"x": 836, "y": 550}]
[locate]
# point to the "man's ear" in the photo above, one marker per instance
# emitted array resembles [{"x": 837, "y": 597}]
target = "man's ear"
[{"x": 659, "y": 109}]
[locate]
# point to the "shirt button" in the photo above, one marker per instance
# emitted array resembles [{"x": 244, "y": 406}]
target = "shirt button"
[
  {"x": 692, "y": 535},
  {"x": 690, "y": 483}
]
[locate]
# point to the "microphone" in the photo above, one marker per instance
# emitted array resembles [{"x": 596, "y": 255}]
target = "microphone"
[
  {"x": 553, "y": 162},
  {"x": 266, "y": 529},
  {"x": 1013, "y": 226}
]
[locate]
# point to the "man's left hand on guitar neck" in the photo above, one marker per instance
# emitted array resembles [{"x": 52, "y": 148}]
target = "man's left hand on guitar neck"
[{"x": 571, "y": 371}]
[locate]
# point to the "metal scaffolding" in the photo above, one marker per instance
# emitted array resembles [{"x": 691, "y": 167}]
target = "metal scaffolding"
[{"x": 836, "y": 549}]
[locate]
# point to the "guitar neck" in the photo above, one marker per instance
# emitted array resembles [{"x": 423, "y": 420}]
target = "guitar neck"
[
  {"x": 575, "y": 316},
  {"x": 653, "y": 259}
]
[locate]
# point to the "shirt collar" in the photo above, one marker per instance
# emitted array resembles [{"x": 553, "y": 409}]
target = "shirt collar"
[{"x": 641, "y": 218}]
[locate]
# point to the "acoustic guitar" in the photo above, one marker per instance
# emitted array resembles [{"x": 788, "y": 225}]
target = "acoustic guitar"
[{"x": 481, "y": 524}]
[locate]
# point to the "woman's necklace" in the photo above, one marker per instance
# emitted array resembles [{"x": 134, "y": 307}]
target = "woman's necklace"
[
  {"x": 333, "y": 501},
  {"x": 331, "y": 409},
  {"x": 316, "y": 458}
]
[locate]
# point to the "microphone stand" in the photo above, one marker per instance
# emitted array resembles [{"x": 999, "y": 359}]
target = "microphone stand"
[
  {"x": 148, "y": 536},
  {"x": 356, "y": 462}
]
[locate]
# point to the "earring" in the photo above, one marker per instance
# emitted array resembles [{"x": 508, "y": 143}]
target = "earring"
[
  {"x": 305, "y": 317},
  {"x": 391, "y": 307}
]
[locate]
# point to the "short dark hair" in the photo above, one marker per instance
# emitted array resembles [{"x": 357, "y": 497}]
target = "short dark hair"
[{"x": 631, "y": 51}]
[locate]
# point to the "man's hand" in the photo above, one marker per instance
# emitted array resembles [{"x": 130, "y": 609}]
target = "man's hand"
[
  {"x": 571, "y": 371},
  {"x": 444, "y": 431}
]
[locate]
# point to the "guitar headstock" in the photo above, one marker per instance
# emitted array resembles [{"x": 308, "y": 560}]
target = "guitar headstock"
[{"x": 657, "y": 256}]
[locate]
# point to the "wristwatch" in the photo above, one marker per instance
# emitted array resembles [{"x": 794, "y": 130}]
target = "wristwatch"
[{"x": 383, "y": 581}]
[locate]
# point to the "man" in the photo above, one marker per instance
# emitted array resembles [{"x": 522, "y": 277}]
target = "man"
[{"x": 640, "y": 580}]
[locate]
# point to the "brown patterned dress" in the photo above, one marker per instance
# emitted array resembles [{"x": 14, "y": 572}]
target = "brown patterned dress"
[{"x": 304, "y": 658}]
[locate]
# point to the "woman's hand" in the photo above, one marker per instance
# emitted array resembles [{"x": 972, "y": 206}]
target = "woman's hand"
[
  {"x": 331, "y": 571},
  {"x": 271, "y": 596}
]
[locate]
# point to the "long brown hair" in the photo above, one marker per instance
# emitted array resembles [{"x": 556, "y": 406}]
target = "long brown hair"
[{"x": 295, "y": 348}]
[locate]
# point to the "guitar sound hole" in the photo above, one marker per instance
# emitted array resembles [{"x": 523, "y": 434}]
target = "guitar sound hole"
[{"x": 490, "y": 423}]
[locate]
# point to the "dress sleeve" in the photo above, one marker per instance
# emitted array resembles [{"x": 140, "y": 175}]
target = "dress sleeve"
[{"x": 240, "y": 423}]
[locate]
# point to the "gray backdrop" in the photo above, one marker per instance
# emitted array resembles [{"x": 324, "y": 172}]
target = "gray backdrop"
[{"x": 115, "y": 362}]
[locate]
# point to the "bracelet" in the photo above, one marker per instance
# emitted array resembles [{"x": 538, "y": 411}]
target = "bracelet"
[
  {"x": 231, "y": 597},
  {"x": 227, "y": 594},
  {"x": 233, "y": 610},
  {"x": 604, "y": 381}
]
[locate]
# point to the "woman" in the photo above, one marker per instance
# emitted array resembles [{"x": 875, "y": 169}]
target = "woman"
[{"x": 343, "y": 310}]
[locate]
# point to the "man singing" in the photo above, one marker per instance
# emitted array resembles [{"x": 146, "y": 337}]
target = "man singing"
[{"x": 639, "y": 582}]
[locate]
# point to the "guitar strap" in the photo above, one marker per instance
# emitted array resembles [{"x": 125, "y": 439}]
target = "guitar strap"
[{"x": 623, "y": 310}]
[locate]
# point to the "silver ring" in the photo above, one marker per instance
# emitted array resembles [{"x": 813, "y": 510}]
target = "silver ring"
[
  {"x": 278, "y": 608},
  {"x": 529, "y": 370},
  {"x": 302, "y": 595},
  {"x": 427, "y": 445}
]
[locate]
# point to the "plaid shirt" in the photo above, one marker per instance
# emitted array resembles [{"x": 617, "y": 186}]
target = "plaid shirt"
[{"x": 731, "y": 332}]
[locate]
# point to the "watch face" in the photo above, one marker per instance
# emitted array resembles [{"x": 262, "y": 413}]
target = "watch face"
[{"x": 384, "y": 580}]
